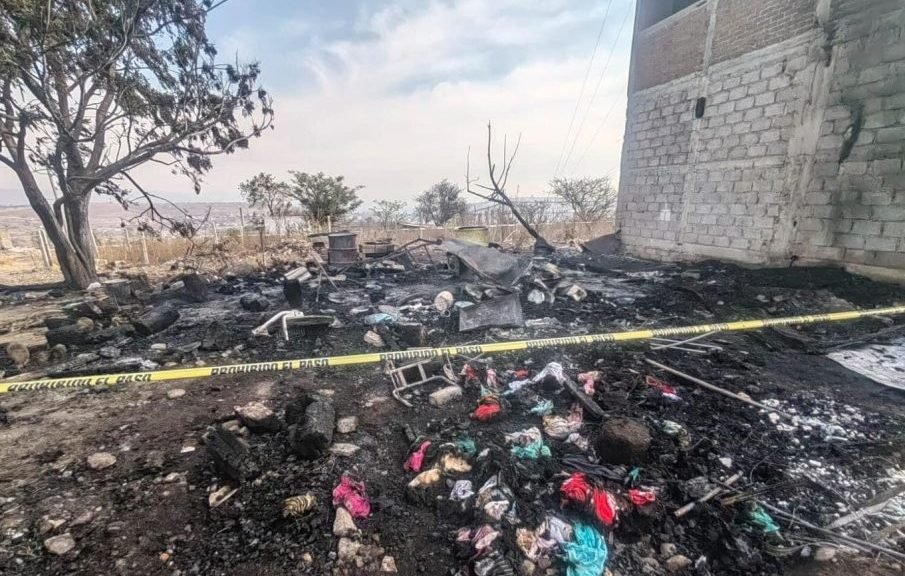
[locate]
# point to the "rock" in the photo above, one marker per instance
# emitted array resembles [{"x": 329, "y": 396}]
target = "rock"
[
  {"x": 725, "y": 461},
  {"x": 18, "y": 353},
  {"x": 58, "y": 353},
  {"x": 347, "y": 549},
  {"x": 774, "y": 418},
  {"x": 159, "y": 346},
  {"x": 444, "y": 396},
  {"x": 344, "y": 449},
  {"x": 668, "y": 550},
  {"x": 101, "y": 460},
  {"x": 258, "y": 418},
  {"x": 83, "y": 518},
  {"x": 60, "y": 545},
  {"x": 307, "y": 558},
  {"x": 109, "y": 352},
  {"x": 47, "y": 525},
  {"x": 195, "y": 286},
  {"x": 84, "y": 324},
  {"x": 347, "y": 425},
  {"x": 623, "y": 441},
  {"x": 388, "y": 565},
  {"x": 164, "y": 557},
  {"x": 155, "y": 459},
  {"x": 374, "y": 339},
  {"x": 254, "y": 302},
  {"x": 825, "y": 554},
  {"x": 174, "y": 393},
  {"x": 678, "y": 563},
  {"x": 312, "y": 420},
  {"x": 343, "y": 524}
]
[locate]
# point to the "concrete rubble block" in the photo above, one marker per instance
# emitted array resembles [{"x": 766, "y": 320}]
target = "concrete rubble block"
[
  {"x": 444, "y": 396},
  {"x": 101, "y": 460},
  {"x": 18, "y": 353},
  {"x": 312, "y": 420},
  {"x": 678, "y": 563},
  {"x": 623, "y": 441},
  {"x": 388, "y": 565},
  {"x": 347, "y": 425},
  {"x": 347, "y": 549},
  {"x": 254, "y": 302},
  {"x": 59, "y": 545},
  {"x": 155, "y": 320},
  {"x": 344, "y": 449},
  {"x": 195, "y": 286},
  {"x": 343, "y": 524},
  {"x": 258, "y": 418}
]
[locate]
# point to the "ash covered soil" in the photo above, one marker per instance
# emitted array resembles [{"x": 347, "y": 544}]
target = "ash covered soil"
[{"x": 149, "y": 512}]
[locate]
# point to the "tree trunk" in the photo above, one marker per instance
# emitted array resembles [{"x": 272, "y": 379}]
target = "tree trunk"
[{"x": 77, "y": 272}]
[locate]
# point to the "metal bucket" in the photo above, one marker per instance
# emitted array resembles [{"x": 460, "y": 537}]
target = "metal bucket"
[
  {"x": 342, "y": 256},
  {"x": 343, "y": 240},
  {"x": 473, "y": 234}
]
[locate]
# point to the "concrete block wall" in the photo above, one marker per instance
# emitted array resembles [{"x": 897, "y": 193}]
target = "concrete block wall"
[
  {"x": 758, "y": 177},
  {"x": 854, "y": 209}
]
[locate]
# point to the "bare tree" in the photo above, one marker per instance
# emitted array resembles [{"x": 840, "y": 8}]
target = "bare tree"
[
  {"x": 440, "y": 203},
  {"x": 590, "y": 198},
  {"x": 496, "y": 192},
  {"x": 389, "y": 212},
  {"x": 266, "y": 192},
  {"x": 91, "y": 90}
]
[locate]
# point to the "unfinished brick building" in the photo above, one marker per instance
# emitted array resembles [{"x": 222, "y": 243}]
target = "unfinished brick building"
[{"x": 767, "y": 132}]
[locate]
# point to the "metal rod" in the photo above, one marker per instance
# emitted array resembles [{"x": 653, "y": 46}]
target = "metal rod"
[
  {"x": 717, "y": 389},
  {"x": 675, "y": 343},
  {"x": 849, "y": 539}
]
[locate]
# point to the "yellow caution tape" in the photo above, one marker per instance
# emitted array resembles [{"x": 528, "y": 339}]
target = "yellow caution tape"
[{"x": 427, "y": 353}]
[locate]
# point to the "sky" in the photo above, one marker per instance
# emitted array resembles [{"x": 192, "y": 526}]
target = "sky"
[{"x": 392, "y": 93}]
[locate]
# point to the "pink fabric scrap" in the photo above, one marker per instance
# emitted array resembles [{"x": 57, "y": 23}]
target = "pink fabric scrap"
[
  {"x": 416, "y": 458},
  {"x": 587, "y": 380},
  {"x": 642, "y": 497},
  {"x": 351, "y": 495}
]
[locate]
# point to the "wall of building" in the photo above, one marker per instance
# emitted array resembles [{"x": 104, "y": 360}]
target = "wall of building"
[{"x": 798, "y": 153}]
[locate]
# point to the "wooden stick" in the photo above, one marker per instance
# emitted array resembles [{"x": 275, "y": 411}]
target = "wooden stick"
[
  {"x": 706, "y": 497},
  {"x": 717, "y": 389}
]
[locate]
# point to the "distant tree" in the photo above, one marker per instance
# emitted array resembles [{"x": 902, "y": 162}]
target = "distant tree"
[
  {"x": 440, "y": 203},
  {"x": 536, "y": 212},
  {"x": 266, "y": 193},
  {"x": 92, "y": 90},
  {"x": 389, "y": 212},
  {"x": 323, "y": 197},
  {"x": 590, "y": 198}
]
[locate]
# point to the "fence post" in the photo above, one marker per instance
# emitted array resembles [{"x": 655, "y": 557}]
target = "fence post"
[
  {"x": 242, "y": 228},
  {"x": 126, "y": 243},
  {"x": 42, "y": 244},
  {"x": 94, "y": 241},
  {"x": 216, "y": 236},
  {"x": 144, "y": 249}
]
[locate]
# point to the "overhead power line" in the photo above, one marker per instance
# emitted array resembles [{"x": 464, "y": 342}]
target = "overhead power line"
[
  {"x": 584, "y": 83},
  {"x": 597, "y": 88}
]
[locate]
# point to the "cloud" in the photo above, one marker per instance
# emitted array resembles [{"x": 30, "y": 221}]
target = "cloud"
[{"x": 395, "y": 104}]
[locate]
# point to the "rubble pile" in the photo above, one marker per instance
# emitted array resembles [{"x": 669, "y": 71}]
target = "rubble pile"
[{"x": 579, "y": 461}]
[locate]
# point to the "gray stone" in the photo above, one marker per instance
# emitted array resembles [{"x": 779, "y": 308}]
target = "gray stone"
[
  {"x": 47, "y": 525},
  {"x": 101, "y": 460},
  {"x": 59, "y": 545},
  {"x": 83, "y": 518},
  {"x": 347, "y": 425},
  {"x": 174, "y": 393},
  {"x": 388, "y": 565},
  {"x": 343, "y": 524},
  {"x": 347, "y": 549},
  {"x": 444, "y": 396},
  {"x": 678, "y": 563},
  {"x": 825, "y": 554},
  {"x": 258, "y": 418},
  {"x": 18, "y": 353},
  {"x": 344, "y": 449},
  {"x": 668, "y": 550},
  {"x": 58, "y": 353}
]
